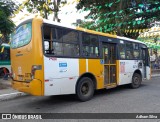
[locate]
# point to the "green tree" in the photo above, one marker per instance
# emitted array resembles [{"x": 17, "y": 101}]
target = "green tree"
[
  {"x": 120, "y": 15},
  {"x": 7, "y": 8},
  {"x": 45, "y": 7}
]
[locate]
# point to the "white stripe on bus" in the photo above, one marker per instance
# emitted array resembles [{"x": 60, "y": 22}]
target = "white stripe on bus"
[{"x": 86, "y": 65}]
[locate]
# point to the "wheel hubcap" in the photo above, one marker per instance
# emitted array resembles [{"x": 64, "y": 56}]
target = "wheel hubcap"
[
  {"x": 85, "y": 88},
  {"x": 136, "y": 80}
]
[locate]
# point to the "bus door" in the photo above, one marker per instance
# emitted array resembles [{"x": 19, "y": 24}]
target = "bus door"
[
  {"x": 109, "y": 58},
  {"x": 145, "y": 63}
]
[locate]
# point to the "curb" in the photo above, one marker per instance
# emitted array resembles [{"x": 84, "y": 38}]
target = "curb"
[
  {"x": 155, "y": 75},
  {"x": 4, "y": 97}
]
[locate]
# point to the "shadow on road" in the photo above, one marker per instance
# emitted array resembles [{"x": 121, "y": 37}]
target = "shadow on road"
[{"x": 44, "y": 103}]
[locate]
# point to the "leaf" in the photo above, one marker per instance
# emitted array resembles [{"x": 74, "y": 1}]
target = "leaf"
[
  {"x": 142, "y": 21},
  {"x": 114, "y": 12},
  {"x": 106, "y": 4},
  {"x": 138, "y": 22},
  {"x": 148, "y": 11},
  {"x": 100, "y": 29},
  {"x": 105, "y": 27},
  {"x": 100, "y": 7},
  {"x": 120, "y": 11},
  {"x": 110, "y": 4},
  {"x": 105, "y": 20},
  {"x": 141, "y": 5},
  {"x": 117, "y": 1},
  {"x": 154, "y": 9}
]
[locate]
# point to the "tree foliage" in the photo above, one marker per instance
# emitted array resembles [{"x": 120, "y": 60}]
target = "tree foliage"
[
  {"x": 120, "y": 15},
  {"x": 45, "y": 7},
  {"x": 7, "y": 8}
]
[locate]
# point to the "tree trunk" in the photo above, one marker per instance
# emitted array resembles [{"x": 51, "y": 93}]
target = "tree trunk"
[
  {"x": 45, "y": 12},
  {"x": 56, "y": 9}
]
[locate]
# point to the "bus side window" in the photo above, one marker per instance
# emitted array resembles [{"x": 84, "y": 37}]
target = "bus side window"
[
  {"x": 58, "y": 48},
  {"x": 86, "y": 50},
  {"x": 47, "y": 37},
  {"x": 57, "y": 45},
  {"x": 70, "y": 43},
  {"x": 106, "y": 58},
  {"x": 94, "y": 46},
  {"x": 129, "y": 54},
  {"x": 129, "y": 50},
  {"x": 90, "y": 45},
  {"x": 47, "y": 32},
  {"x": 46, "y": 47},
  {"x": 122, "y": 51},
  {"x": 86, "y": 44},
  {"x": 136, "y": 52}
]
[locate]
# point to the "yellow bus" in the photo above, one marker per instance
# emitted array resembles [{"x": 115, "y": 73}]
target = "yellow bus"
[{"x": 50, "y": 58}]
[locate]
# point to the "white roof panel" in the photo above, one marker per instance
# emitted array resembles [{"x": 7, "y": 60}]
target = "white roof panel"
[
  {"x": 58, "y": 24},
  {"x": 128, "y": 39}
]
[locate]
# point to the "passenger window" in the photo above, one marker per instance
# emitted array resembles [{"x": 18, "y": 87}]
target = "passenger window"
[
  {"x": 59, "y": 35},
  {"x": 70, "y": 36},
  {"x": 90, "y": 45},
  {"x": 61, "y": 41},
  {"x": 122, "y": 51},
  {"x": 58, "y": 48},
  {"x": 47, "y": 32},
  {"x": 129, "y": 50},
  {"x": 86, "y": 39},
  {"x": 106, "y": 56},
  {"x": 71, "y": 49},
  {"x": 136, "y": 52},
  {"x": 129, "y": 54}
]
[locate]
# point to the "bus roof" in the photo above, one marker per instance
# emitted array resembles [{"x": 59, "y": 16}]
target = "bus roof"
[
  {"x": 79, "y": 28},
  {"x": 90, "y": 31},
  {"x": 129, "y": 39},
  {"x": 85, "y": 30},
  {"x": 58, "y": 24}
]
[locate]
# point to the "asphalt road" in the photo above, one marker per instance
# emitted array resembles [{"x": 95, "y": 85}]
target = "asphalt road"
[{"x": 145, "y": 99}]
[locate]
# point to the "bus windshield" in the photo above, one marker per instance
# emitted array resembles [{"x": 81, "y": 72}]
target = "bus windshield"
[{"x": 21, "y": 36}]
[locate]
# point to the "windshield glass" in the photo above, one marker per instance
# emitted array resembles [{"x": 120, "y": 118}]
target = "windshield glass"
[{"x": 21, "y": 36}]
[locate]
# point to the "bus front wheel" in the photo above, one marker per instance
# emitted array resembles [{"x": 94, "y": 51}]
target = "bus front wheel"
[
  {"x": 136, "y": 81},
  {"x": 85, "y": 89}
]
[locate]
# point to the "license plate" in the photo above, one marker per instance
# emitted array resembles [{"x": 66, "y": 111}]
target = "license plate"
[{"x": 20, "y": 78}]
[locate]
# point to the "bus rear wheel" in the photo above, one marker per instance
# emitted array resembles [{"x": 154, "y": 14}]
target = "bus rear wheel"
[
  {"x": 85, "y": 89},
  {"x": 136, "y": 81}
]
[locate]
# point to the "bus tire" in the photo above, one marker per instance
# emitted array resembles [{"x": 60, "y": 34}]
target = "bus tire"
[
  {"x": 136, "y": 81},
  {"x": 85, "y": 89}
]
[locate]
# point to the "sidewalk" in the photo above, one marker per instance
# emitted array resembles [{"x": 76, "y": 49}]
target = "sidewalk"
[
  {"x": 155, "y": 72},
  {"x": 7, "y": 92}
]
